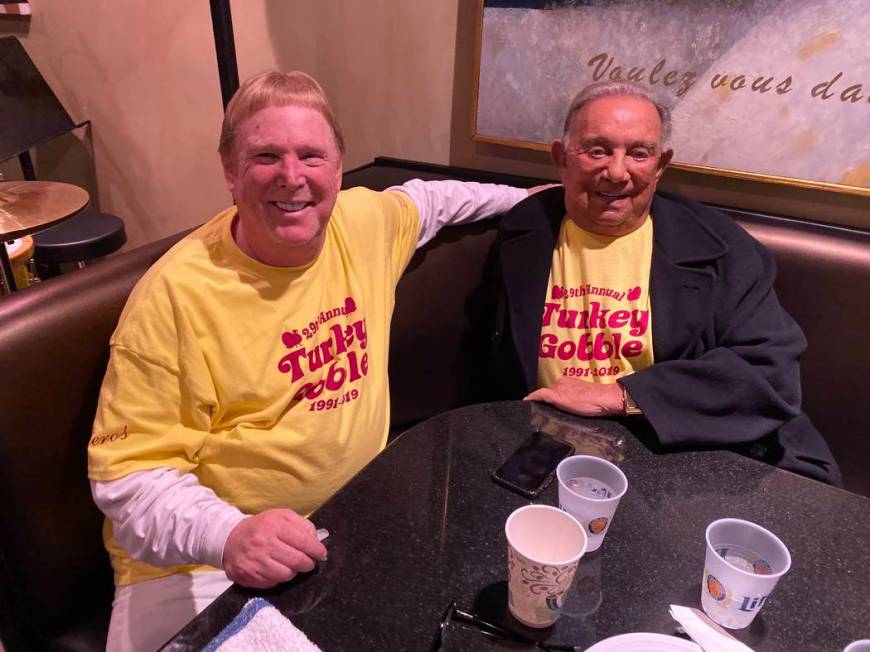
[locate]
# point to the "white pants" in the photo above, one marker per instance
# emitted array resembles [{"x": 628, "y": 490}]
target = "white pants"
[{"x": 147, "y": 614}]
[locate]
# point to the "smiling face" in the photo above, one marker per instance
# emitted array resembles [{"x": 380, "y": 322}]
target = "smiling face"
[
  {"x": 611, "y": 163},
  {"x": 284, "y": 174}
]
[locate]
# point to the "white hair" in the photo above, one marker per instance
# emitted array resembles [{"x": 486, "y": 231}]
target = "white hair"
[{"x": 617, "y": 88}]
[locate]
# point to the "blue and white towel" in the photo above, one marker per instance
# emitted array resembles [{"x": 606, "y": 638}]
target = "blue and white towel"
[{"x": 260, "y": 626}]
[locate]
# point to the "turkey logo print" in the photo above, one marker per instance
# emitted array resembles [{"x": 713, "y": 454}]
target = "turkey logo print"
[{"x": 326, "y": 355}]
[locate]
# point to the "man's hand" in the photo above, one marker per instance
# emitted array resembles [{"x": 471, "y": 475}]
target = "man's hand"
[
  {"x": 271, "y": 547},
  {"x": 581, "y": 397},
  {"x": 545, "y": 186}
]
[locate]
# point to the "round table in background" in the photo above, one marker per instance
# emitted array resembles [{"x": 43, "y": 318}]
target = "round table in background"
[{"x": 29, "y": 206}]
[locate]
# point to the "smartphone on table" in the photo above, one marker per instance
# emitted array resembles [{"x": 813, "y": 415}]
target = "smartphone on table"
[{"x": 530, "y": 468}]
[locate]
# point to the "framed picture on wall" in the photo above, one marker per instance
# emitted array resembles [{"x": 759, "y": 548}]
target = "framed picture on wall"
[
  {"x": 14, "y": 7},
  {"x": 771, "y": 90}
]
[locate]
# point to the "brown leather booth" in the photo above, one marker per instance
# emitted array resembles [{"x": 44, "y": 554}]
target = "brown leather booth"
[{"x": 55, "y": 581}]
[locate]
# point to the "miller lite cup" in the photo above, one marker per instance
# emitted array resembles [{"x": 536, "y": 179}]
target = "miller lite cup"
[
  {"x": 590, "y": 489},
  {"x": 743, "y": 564}
]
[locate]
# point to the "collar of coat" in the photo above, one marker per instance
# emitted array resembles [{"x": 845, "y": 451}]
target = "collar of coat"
[{"x": 678, "y": 230}]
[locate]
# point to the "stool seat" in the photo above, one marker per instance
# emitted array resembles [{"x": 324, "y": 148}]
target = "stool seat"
[{"x": 80, "y": 239}]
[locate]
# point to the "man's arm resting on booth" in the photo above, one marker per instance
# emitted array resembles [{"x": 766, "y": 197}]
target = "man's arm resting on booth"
[
  {"x": 448, "y": 202},
  {"x": 165, "y": 518}
]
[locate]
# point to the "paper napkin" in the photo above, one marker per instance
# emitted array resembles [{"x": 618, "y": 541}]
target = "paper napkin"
[{"x": 705, "y": 632}]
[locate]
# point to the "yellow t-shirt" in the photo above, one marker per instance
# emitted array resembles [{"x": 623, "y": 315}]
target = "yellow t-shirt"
[
  {"x": 596, "y": 324},
  {"x": 269, "y": 384}
]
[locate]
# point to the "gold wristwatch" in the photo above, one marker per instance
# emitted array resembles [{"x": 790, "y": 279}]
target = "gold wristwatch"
[{"x": 629, "y": 407}]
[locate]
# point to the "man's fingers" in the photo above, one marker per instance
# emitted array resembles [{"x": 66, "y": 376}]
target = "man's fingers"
[
  {"x": 297, "y": 520},
  {"x": 295, "y": 531},
  {"x": 260, "y": 573},
  {"x": 299, "y": 533},
  {"x": 300, "y": 539},
  {"x": 270, "y": 572},
  {"x": 292, "y": 558},
  {"x": 545, "y": 186},
  {"x": 543, "y": 394},
  {"x": 546, "y": 395}
]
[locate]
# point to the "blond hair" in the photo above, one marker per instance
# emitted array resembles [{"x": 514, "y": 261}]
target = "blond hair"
[{"x": 273, "y": 88}]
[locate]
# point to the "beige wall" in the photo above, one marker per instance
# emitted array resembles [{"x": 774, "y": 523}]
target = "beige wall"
[
  {"x": 144, "y": 74},
  {"x": 386, "y": 65},
  {"x": 399, "y": 72}
]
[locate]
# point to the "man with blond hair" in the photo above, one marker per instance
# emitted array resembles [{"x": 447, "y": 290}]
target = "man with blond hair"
[
  {"x": 248, "y": 371},
  {"x": 619, "y": 300}
]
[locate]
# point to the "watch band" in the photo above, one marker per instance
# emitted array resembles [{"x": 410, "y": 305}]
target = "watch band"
[{"x": 629, "y": 407}]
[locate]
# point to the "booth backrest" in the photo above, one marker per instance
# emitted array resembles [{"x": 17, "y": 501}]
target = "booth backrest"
[
  {"x": 823, "y": 281},
  {"x": 55, "y": 582}
]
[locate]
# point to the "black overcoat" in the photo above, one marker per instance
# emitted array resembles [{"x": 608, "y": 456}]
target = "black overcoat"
[{"x": 726, "y": 370}]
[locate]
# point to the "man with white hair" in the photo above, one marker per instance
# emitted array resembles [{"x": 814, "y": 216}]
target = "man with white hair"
[
  {"x": 619, "y": 300},
  {"x": 248, "y": 373}
]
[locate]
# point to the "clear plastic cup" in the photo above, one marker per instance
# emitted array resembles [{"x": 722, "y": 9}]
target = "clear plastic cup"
[
  {"x": 590, "y": 489},
  {"x": 743, "y": 564}
]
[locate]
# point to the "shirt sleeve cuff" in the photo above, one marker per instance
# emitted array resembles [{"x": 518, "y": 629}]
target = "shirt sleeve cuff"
[{"x": 215, "y": 537}]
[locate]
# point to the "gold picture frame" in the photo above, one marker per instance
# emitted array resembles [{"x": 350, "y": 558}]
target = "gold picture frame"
[
  {"x": 14, "y": 8},
  {"x": 829, "y": 44}
]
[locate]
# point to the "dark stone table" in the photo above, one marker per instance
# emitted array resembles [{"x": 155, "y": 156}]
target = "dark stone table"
[{"x": 423, "y": 524}]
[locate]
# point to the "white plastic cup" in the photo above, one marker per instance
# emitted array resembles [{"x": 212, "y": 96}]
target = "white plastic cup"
[
  {"x": 858, "y": 646},
  {"x": 732, "y": 595},
  {"x": 595, "y": 513},
  {"x": 544, "y": 548}
]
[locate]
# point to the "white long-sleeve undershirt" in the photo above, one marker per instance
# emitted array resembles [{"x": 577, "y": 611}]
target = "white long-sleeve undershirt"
[{"x": 447, "y": 203}]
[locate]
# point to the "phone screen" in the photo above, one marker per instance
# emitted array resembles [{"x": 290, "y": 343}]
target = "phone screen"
[{"x": 530, "y": 469}]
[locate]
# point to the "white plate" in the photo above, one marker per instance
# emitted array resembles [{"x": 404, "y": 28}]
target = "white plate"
[{"x": 642, "y": 642}]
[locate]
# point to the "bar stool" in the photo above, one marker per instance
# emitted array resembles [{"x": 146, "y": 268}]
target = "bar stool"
[
  {"x": 33, "y": 115},
  {"x": 20, "y": 252},
  {"x": 78, "y": 240}
]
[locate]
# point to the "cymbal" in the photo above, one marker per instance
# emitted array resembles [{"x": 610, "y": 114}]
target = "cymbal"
[{"x": 27, "y": 206}]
